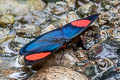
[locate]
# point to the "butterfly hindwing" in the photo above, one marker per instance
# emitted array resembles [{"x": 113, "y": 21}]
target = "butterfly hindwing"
[
  {"x": 41, "y": 53},
  {"x": 36, "y": 57}
]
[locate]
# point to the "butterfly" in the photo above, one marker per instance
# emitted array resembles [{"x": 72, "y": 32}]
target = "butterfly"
[{"x": 48, "y": 43}]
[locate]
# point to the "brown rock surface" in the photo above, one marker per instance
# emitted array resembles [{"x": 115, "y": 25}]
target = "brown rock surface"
[{"x": 58, "y": 73}]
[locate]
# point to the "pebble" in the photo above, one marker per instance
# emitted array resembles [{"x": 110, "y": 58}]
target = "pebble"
[{"x": 6, "y": 19}]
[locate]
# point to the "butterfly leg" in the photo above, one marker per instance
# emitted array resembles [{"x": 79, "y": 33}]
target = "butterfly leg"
[{"x": 62, "y": 56}]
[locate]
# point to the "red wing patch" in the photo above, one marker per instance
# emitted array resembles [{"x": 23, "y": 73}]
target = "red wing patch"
[
  {"x": 37, "y": 56},
  {"x": 81, "y": 23}
]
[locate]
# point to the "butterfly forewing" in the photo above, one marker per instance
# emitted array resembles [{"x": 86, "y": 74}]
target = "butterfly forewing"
[
  {"x": 45, "y": 42},
  {"x": 74, "y": 28}
]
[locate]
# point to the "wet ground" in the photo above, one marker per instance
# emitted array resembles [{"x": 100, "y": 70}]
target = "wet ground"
[{"x": 23, "y": 20}]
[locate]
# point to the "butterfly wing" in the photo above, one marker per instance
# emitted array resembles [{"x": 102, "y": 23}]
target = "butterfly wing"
[
  {"x": 46, "y": 42},
  {"x": 40, "y": 48},
  {"x": 31, "y": 59},
  {"x": 74, "y": 28},
  {"x": 41, "y": 53}
]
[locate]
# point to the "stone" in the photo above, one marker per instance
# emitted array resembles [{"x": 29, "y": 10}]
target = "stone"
[
  {"x": 103, "y": 18},
  {"x": 47, "y": 29},
  {"x": 65, "y": 19},
  {"x": 71, "y": 3},
  {"x": 15, "y": 46},
  {"x": 64, "y": 58},
  {"x": 84, "y": 1},
  {"x": 6, "y": 63},
  {"x": 13, "y": 7},
  {"x": 28, "y": 30},
  {"x": 37, "y": 4},
  {"x": 20, "y": 7},
  {"x": 89, "y": 8},
  {"x": 6, "y": 19},
  {"x": 49, "y": 1},
  {"x": 6, "y": 38},
  {"x": 36, "y": 18},
  {"x": 97, "y": 1},
  {"x": 59, "y": 8},
  {"x": 2, "y": 51},
  {"x": 5, "y": 73},
  {"x": 58, "y": 73}
]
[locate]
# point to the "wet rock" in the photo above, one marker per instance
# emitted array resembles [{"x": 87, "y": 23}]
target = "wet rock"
[
  {"x": 97, "y": 1},
  {"x": 58, "y": 73},
  {"x": 17, "y": 7},
  {"x": 21, "y": 60},
  {"x": 90, "y": 71},
  {"x": 71, "y": 16},
  {"x": 116, "y": 33},
  {"x": 71, "y": 3},
  {"x": 28, "y": 31},
  {"x": 105, "y": 64},
  {"x": 110, "y": 47},
  {"x": 51, "y": 1},
  {"x": 103, "y": 19},
  {"x": 67, "y": 18},
  {"x": 59, "y": 8},
  {"x": 111, "y": 75},
  {"x": 107, "y": 7},
  {"x": 95, "y": 50},
  {"x": 64, "y": 58},
  {"x": 5, "y": 73},
  {"x": 6, "y": 19},
  {"x": 47, "y": 29},
  {"x": 90, "y": 37},
  {"x": 5, "y": 63},
  {"x": 6, "y": 38},
  {"x": 4, "y": 31},
  {"x": 81, "y": 54},
  {"x": 35, "y": 17},
  {"x": 84, "y": 1},
  {"x": 105, "y": 3},
  {"x": 2, "y": 51},
  {"x": 109, "y": 18},
  {"x": 13, "y": 7},
  {"x": 109, "y": 3},
  {"x": 85, "y": 65},
  {"x": 89, "y": 8},
  {"x": 22, "y": 41},
  {"x": 20, "y": 75},
  {"x": 37, "y": 4},
  {"x": 105, "y": 32},
  {"x": 15, "y": 46}
]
